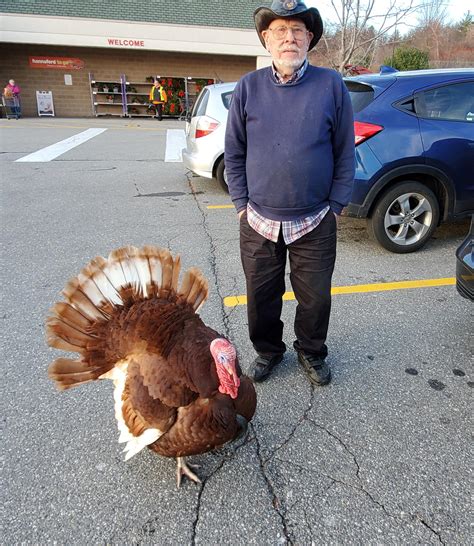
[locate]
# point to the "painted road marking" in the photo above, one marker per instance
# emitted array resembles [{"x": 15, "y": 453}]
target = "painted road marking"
[
  {"x": 220, "y": 206},
  {"x": 232, "y": 301},
  {"x": 175, "y": 142},
  {"x": 44, "y": 126},
  {"x": 55, "y": 150}
]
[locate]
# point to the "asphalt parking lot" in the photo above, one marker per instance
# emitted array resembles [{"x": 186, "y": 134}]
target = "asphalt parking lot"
[{"x": 380, "y": 456}]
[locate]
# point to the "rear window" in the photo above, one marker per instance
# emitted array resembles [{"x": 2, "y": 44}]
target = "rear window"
[
  {"x": 200, "y": 105},
  {"x": 227, "y": 99},
  {"x": 361, "y": 95}
]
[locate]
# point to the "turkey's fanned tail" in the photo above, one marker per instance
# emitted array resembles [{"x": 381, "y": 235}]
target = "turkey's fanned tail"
[{"x": 103, "y": 287}]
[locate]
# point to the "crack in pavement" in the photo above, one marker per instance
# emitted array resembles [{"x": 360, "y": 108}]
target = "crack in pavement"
[
  {"x": 225, "y": 319},
  {"x": 340, "y": 442},
  {"x": 227, "y": 456},
  {"x": 423, "y": 522},
  {"x": 276, "y": 503},
  {"x": 226, "y": 323},
  {"x": 365, "y": 492},
  {"x": 292, "y": 433},
  {"x": 212, "y": 258},
  {"x": 353, "y": 456}
]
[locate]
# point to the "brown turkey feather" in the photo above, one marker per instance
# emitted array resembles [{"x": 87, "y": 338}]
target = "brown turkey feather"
[{"x": 129, "y": 322}]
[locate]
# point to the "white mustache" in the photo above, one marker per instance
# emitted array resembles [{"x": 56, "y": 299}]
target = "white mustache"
[{"x": 289, "y": 48}]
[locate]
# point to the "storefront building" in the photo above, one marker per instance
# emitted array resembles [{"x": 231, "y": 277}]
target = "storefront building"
[{"x": 92, "y": 52}]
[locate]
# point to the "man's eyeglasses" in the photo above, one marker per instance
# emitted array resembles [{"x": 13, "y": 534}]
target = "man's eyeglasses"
[{"x": 280, "y": 32}]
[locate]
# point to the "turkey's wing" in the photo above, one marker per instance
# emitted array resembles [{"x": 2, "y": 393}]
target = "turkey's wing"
[
  {"x": 140, "y": 410},
  {"x": 203, "y": 425},
  {"x": 163, "y": 381}
]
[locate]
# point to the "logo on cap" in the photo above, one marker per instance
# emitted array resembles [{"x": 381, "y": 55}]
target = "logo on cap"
[{"x": 289, "y": 4}]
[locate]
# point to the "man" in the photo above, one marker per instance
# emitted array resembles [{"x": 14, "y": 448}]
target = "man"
[
  {"x": 289, "y": 157},
  {"x": 158, "y": 97}
]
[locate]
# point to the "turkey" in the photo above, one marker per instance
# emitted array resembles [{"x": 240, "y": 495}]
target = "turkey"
[{"x": 178, "y": 386}]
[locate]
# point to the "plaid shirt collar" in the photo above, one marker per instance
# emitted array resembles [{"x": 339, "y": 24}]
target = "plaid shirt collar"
[{"x": 294, "y": 78}]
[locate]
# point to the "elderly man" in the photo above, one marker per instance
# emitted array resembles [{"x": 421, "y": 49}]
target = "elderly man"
[{"x": 289, "y": 156}]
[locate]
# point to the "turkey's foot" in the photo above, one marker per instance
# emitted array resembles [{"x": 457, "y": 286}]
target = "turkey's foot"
[{"x": 183, "y": 469}]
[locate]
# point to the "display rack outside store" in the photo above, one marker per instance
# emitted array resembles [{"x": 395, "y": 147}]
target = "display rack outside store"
[
  {"x": 138, "y": 101},
  {"x": 131, "y": 98},
  {"x": 107, "y": 97}
]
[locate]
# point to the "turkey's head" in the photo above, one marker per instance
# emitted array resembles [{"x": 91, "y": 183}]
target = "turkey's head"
[{"x": 224, "y": 355}]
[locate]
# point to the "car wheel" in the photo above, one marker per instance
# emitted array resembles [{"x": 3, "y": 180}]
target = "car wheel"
[
  {"x": 221, "y": 175},
  {"x": 404, "y": 217}
]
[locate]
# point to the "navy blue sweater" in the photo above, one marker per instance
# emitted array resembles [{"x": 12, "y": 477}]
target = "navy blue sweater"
[{"x": 289, "y": 149}]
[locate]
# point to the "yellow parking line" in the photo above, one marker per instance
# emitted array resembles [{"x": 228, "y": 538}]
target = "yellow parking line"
[
  {"x": 220, "y": 206},
  {"x": 232, "y": 301}
]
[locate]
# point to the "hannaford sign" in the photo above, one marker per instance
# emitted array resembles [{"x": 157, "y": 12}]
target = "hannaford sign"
[
  {"x": 60, "y": 63},
  {"x": 127, "y": 43}
]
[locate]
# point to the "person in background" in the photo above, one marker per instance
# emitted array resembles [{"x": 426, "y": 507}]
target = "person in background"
[
  {"x": 11, "y": 92},
  {"x": 290, "y": 163},
  {"x": 158, "y": 98}
]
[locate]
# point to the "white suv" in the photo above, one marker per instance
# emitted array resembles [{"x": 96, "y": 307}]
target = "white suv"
[{"x": 205, "y": 132}]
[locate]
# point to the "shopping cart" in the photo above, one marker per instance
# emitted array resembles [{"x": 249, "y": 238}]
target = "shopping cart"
[{"x": 12, "y": 107}]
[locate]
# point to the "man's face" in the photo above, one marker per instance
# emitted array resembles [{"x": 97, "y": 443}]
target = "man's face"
[{"x": 287, "y": 40}]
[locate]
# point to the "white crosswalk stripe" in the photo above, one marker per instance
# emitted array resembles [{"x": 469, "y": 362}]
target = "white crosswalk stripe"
[
  {"x": 175, "y": 142},
  {"x": 55, "y": 150}
]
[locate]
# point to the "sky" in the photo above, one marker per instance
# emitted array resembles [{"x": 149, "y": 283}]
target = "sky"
[{"x": 455, "y": 10}]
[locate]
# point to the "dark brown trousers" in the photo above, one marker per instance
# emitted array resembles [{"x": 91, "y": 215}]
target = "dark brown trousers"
[{"x": 312, "y": 259}]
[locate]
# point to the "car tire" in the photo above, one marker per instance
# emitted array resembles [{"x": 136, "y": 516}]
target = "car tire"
[
  {"x": 404, "y": 217},
  {"x": 221, "y": 176}
]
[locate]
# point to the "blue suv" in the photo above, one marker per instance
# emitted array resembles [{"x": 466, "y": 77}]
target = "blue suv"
[{"x": 414, "y": 152}]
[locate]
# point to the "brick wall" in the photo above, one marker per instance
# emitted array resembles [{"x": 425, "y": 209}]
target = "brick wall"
[
  {"x": 105, "y": 64},
  {"x": 220, "y": 13}
]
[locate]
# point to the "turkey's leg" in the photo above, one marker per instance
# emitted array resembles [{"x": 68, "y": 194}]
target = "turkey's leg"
[{"x": 184, "y": 470}]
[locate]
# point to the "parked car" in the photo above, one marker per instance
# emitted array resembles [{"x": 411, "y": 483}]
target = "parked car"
[
  {"x": 465, "y": 265},
  {"x": 414, "y": 152},
  {"x": 205, "y": 132},
  {"x": 414, "y": 137}
]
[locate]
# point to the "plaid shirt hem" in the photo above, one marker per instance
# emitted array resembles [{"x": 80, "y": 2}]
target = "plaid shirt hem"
[{"x": 292, "y": 230}]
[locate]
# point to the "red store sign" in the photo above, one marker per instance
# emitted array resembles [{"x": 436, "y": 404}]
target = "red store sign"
[
  {"x": 59, "y": 63},
  {"x": 130, "y": 42}
]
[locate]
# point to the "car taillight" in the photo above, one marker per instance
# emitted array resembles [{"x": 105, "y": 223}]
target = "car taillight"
[
  {"x": 206, "y": 126},
  {"x": 363, "y": 131}
]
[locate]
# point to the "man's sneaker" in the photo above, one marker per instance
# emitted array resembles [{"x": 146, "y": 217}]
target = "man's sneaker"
[
  {"x": 316, "y": 368},
  {"x": 262, "y": 367}
]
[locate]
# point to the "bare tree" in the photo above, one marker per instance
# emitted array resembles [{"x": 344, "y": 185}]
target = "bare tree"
[
  {"x": 433, "y": 16},
  {"x": 434, "y": 12},
  {"x": 360, "y": 27}
]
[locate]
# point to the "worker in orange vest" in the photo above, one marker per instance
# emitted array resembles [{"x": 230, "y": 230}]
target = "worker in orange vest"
[{"x": 158, "y": 97}]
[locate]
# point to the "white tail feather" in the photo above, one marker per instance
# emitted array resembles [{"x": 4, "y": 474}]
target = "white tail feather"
[{"x": 106, "y": 287}]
